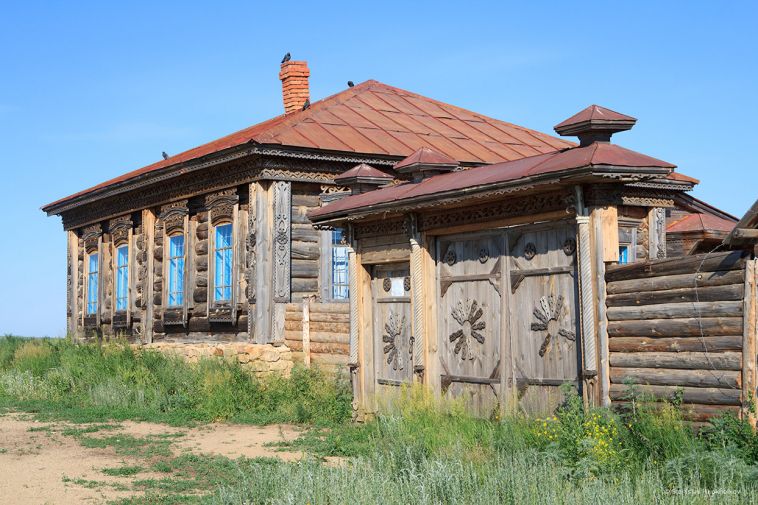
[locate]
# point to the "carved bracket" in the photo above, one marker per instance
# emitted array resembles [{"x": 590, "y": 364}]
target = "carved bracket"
[
  {"x": 220, "y": 205},
  {"x": 119, "y": 229},
  {"x": 172, "y": 216},
  {"x": 90, "y": 236}
]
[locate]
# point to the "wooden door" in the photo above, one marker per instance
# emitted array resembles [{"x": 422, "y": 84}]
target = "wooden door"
[
  {"x": 470, "y": 321},
  {"x": 393, "y": 347},
  {"x": 543, "y": 314}
]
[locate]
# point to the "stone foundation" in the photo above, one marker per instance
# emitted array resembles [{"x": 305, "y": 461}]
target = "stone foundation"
[{"x": 260, "y": 359}]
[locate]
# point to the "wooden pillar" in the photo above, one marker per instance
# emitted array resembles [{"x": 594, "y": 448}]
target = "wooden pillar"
[
  {"x": 418, "y": 331},
  {"x": 602, "y": 319},
  {"x": 263, "y": 265},
  {"x": 657, "y": 233},
  {"x": 72, "y": 301},
  {"x": 148, "y": 303},
  {"x": 354, "y": 296},
  {"x": 282, "y": 245},
  {"x": 307, "y": 331},
  {"x": 430, "y": 313},
  {"x": 366, "y": 403},
  {"x": 749, "y": 345},
  {"x": 586, "y": 297},
  {"x": 250, "y": 251}
]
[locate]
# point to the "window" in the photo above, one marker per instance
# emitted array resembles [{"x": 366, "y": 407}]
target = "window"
[
  {"x": 623, "y": 254},
  {"x": 222, "y": 266},
  {"x": 92, "y": 283},
  {"x": 122, "y": 277},
  {"x": 340, "y": 283},
  {"x": 176, "y": 271}
]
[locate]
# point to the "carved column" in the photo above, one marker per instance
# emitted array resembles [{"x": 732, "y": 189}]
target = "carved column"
[
  {"x": 586, "y": 295},
  {"x": 146, "y": 274},
  {"x": 352, "y": 266},
  {"x": 262, "y": 207},
  {"x": 657, "y": 233},
  {"x": 72, "y": 284},
  {"x": 417, "y": 294},
  {"x": 250, "y": 252},
  {"x": 282, "y": 257}
]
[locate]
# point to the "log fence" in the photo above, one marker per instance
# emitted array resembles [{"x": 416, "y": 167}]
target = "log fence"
[{"x": 685, "y": 328}]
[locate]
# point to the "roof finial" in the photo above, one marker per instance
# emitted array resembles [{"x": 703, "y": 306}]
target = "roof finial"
[{"x": 595, "y": 124}]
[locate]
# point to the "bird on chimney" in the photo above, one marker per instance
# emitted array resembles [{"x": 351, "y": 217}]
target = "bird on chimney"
[
  {"x": 306, "y": 104},
  {"x": 165, "y": 156},
  {"x": 350, "y": 84},
  {"x": 287, "y": 57}
]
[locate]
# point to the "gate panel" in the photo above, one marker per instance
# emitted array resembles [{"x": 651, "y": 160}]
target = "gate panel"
[
  {"x": 470, "y": 279},
  {"x": 390, "y": 290},
  {"x": 543, "y": 314}
]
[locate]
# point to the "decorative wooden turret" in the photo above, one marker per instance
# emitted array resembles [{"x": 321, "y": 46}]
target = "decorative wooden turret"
[
  {"x": 363, "y": 178},
  {"x": 594, "y": 124},
  {"x": 425, "y": 162}
]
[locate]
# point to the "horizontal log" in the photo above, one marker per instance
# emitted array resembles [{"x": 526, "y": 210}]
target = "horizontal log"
[
  {"x": 675, "y": 310},
  {"x": 391, "y": 254},
  {"x": 689, "y": 411},
  {"x": 330, "y": 308},
  {"x": 320, "y": 347},
  {"x": 674, "y": 377},
  {"x": 682, "y": 360},
  {"x": 304, "y": 285},
  {"x": 702, "y": 279},
  {"x": 319, "y": 336},
  {"x": 305, "y": 233},
  {"x": 318, "y": 326},
  {"x": 326, "y": 318},
  {"x": 306, "y": 269},
  {"x": 694, "y": 344},
  {"x": 298, "y": 295},
  {"x": 305, "y": 200},
  {"x": 689, "y": 327},
  {"x": 300, "y": 215},
  {"x": 715, "y": 262},
  {"x": 304, "y": 250},
  {"x": 705, "y": 396},
  {"x": 707, "y": 294}
]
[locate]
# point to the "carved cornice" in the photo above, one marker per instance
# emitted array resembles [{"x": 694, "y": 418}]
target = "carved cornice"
[
  {"x": 221, "y": 204},
  {"x": 511, "y": 207},
  {"x": 172, "y": 216},
  {"x": 381, "y": 228},
  {"x": 119, "y": 229},
  {"x": 91, "y": 235},
  {"x": 631, "y": 196}
]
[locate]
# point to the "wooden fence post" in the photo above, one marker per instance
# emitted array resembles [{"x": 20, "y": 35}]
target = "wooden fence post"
[
  {"x": 749, "y": 343},
  {"x": 307, "y": 330}
]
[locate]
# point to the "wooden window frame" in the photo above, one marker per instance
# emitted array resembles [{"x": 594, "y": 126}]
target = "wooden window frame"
[
  {"x": 326, "y": 269},
  {"x": 212, "y": 264}
]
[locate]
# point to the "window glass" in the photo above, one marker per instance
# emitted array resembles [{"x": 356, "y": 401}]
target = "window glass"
[
  {"x": 176, "y": 271},
  {"x": 340, "y": 282},
  {"x": 623, "y": 254},
  {"x": 92, "y": 283},
  {"x": 222, "y": 281},
  {"x": 122, "y": 277}
]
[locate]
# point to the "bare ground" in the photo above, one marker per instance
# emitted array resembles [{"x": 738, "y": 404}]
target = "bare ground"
[{"x": 40, "y": 465}]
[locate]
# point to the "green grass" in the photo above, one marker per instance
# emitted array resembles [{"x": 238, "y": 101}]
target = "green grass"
[
  {"x": 423, "y": 451},
  {"x": 86, "y": 383}
]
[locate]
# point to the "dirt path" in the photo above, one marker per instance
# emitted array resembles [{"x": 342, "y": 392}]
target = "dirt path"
[{"x": 41, "y": 465}]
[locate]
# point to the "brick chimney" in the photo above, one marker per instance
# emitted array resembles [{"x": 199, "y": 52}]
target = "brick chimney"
[{"x": 295, "y": 91}]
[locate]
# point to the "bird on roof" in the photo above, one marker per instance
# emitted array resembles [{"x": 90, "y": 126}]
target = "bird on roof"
[
  {"x": 306, "y": 104},
  {"x": 287, "y": 57},
  {"x": 350, "y": 84},
  {"x": 165, "y": 156}
]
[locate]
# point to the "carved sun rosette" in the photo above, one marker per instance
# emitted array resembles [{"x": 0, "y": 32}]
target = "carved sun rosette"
[
  {"x": 546, "y": 313},
  {"x": 468, "y": 315},
  {"x": 393, "y": 328}
]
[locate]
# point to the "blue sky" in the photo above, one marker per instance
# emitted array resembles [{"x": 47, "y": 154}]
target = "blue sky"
[{"x": 89, "y": 91}]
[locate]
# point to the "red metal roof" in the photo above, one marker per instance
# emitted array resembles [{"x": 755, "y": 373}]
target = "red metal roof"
[
  {"x": 425, "y": 156},
  {"x": 595, "y": 113},
  {"x": 701, "y": 222},
  {"x": 376, "y": 119},
  {"x": 363, "y": 170},
  {"x": 594, "y": 155}
]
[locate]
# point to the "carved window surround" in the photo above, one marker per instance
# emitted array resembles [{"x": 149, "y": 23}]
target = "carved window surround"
[
  {"x": 174, "y": 217},
  {"x": 92, "y": 239},
  {"x": 223, "y": 208}
]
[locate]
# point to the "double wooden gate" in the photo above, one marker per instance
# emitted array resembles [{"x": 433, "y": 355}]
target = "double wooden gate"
[
  {"x": 507, "y": 313},
  {"x": 507, "y": 321}
]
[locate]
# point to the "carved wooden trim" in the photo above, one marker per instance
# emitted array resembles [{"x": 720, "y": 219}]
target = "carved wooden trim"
[
  {"x": 586, "y": 295},
  {"x": 119, "y": 229},
  {"x": 505, "y": 208},
  {"x": 172, "y": 216},
  {"x": 91, "y": 236},
  {"x": 353, "y": 298},
  {"x": 221, "y": 205},
  {"x": 381, "y": 228},
  {"x": 282, "y": 240},
  {"x": 603, "y": 196}
]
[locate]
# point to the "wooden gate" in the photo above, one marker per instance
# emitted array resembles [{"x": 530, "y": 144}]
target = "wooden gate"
[
  {"x": 390, "y": 292},
  {"x": 507, "y": 309}
]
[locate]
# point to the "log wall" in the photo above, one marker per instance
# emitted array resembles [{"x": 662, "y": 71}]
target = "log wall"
[
  {"x": 325, "y": 333},
  {"x": 679, "y": 327}
]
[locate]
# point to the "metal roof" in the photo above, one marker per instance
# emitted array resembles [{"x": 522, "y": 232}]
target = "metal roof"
[{"x": 375, "y": 119}]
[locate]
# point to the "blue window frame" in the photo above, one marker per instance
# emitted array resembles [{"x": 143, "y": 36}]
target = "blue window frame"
[
  {"x": 222, "y": 267},
  {"x": 340, "y": 281},
  {"x": 176, "y": 271},
  {"x": 122, "y": 277},
  {"x": 93, "y": 271},
  {"x": 623, "y": 254}
]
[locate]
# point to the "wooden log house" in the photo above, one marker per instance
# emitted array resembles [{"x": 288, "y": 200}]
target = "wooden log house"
[{"x": 488, "y": 283}]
